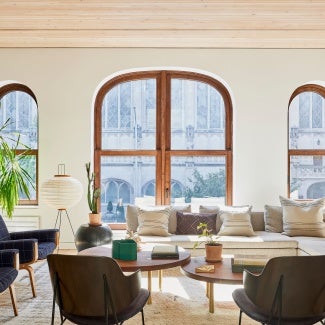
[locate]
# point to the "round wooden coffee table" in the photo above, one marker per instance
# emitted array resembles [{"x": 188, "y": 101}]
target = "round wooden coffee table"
[
  {"x": 222, "y": 274},
  {"x": 143, "y": 261}
]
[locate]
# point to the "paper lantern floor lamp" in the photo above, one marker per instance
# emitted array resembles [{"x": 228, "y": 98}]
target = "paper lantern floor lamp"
[{"x": 62, "y": 192}]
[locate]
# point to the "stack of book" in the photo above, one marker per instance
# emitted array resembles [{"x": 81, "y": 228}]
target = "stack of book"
[
  {"x": 165, "y": 252},
  {"x": 252, "y": 263}
]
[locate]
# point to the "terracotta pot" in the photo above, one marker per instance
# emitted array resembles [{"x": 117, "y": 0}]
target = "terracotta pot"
[
  {"x": 95, "y": 219},
  {"x": 213, "y": 253}
]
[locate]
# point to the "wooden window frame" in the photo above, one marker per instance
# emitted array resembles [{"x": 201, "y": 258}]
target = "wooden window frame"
[
  {"x": 163, "y": 150},
  {"x": 4, "y": 90},
  {"x": 302, "y": 152}
]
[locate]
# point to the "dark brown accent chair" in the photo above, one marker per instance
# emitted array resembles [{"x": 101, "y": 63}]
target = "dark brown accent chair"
[
  {"x": 94, "y": 290},
  {"x": 9, "y": 266},
  {"x": 289, "y": 291}
]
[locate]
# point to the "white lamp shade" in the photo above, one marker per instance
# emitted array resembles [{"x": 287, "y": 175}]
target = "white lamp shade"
[{"x": 62, "y": 192}]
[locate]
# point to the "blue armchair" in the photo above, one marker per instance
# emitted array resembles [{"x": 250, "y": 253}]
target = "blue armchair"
[
  {"x": 9, "y": 265},
  {"x": 33, "y": 245}
]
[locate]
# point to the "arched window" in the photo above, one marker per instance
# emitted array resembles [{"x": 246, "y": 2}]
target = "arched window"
[
  {"x": 18, "y": 104},
  {"x": 167, "y": 133},
  {"x": 306, "y": 137}
]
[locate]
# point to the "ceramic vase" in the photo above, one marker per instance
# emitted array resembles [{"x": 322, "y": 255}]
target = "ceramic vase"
[
  {"x": 95, "y": 219},
  {"x": 213, "y": 253}
]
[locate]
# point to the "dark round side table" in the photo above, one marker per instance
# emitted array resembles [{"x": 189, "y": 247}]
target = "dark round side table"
[{"x": 90, "y": 236}]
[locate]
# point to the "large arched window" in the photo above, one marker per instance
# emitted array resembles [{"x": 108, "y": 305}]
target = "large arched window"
[
  {"x": 18, "y": 106},
  {"x": 306, "y": 136},
  {"x": 173, "y": 127}
]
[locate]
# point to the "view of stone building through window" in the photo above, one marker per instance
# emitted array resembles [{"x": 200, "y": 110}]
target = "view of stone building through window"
[
  {"x": 307, "y": 132},
  {"x": 128, "y": 122},
  {"x": 21, "y": 110}
]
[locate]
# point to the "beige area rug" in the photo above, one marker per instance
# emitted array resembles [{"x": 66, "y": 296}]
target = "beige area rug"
[{"x": 182, "y": 301}]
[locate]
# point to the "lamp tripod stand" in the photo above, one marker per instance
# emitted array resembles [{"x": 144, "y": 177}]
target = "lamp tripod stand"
[{"x": 59, "y": 218}]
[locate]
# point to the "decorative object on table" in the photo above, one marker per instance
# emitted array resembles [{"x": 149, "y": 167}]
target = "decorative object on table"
[
  {"x": 93, "y": 195},
  {"x": 205, "y": 268},
  {"x": 62, "y": 192},
  {"x": 213, "y": 249},
  {"x": 90, "y": 236},
  {"x": 13, "y": 177},
  {"x": 165, "y": 252},
  {"x": 252, "y": 263},
  {"x": 134, "y": 236},
  {"x": 124, "y": 249}
]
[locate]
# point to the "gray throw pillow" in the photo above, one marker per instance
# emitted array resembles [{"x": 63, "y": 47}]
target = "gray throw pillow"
[
  {"x": 273, "y": 218},
  {"x": 187, "y": 222}
]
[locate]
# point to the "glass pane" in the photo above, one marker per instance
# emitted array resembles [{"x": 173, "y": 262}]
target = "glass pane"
[
  {"x": 129, "y": 116},
  {"x": 21, "y": 109},
  {"x": 197, "y": 116},
  {"x": 306, "y": 124},
  {"x": 29, "y": 164},
  {"x": 198, "y": 180},
  {"x": 307, "y": 177},
  {"x": 126, "y": 180}
]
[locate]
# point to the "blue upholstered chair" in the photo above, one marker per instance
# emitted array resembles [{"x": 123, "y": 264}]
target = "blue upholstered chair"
[
  {"x": 9, "y": 265},
  {"x": 33, "y": 245}
]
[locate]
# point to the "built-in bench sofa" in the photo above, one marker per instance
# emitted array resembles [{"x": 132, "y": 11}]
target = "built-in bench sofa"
[{"x": 267, "y": 240}]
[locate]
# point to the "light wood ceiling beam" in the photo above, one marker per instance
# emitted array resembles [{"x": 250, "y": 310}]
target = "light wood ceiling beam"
[
  {"x": 162, "y": 23},
  {"x": 163, "y": 39}
]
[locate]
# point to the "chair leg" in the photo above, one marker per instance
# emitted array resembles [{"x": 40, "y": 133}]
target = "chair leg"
[
  {"x": 13, "y": 299},
  {"x": 30, "y": 271},
  {"x": 240, "y": 314},
  {"x": 142, "y": 316}
]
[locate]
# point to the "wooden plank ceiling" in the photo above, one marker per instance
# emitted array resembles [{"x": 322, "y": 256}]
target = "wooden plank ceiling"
[{"x": 163, "y": 23}]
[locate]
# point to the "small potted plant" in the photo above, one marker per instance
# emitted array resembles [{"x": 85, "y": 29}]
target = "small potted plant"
[
  {"x": 213, "y": 249},
  {"x": 93, "y": 195}
]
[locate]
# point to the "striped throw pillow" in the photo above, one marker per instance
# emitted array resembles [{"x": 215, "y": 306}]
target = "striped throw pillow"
[
  {"x": 153, "y": 222},
  {"x": 303, "y": 218},
  {"x": 236, "y": 221}
]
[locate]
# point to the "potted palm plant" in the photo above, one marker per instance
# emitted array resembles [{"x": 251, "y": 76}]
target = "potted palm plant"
[
  {"x": 213, "y": 249},
  {"x": 14, "y": 179},
  {"x": 93, "y": 195}
]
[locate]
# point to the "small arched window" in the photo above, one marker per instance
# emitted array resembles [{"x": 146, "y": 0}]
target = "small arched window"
[
  {"x": 18, "y": 107},
  {"x": 306, "y": 137}
]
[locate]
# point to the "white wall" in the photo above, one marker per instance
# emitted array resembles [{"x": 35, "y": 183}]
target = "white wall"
[{"x": 261, "y": 80}]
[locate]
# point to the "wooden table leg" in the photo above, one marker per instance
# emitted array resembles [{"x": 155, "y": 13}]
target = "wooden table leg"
[
  {"x": 149, "y": 287},
  {"x": 207, "y": 290},
  {"x": 160, "y": 274},
  {"x": 211, "y": 297}
]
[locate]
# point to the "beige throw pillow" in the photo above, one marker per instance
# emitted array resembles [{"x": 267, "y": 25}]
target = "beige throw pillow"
[
  {"x": 303, "y": 218},
  {"x": 131, "y": 217},
  {"x": 153, "y": 222},
  {"x": 172, "y": 225},
  {"x": 212, "y": 209},
  {"x": 273, "y": 218},
  {"x": 236, "y": 221}
]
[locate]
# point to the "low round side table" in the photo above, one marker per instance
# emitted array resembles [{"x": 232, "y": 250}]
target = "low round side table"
[{"x": 90, "y": 236}]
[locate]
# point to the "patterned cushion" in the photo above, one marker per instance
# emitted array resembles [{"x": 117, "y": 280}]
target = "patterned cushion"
[
  {"x": 153, "y": 222},
  {"x": 303, "y": 218},
  {"x": 273, "y": 218},
  {"x": 236, "y": 221},
  {"x": 8, "y": 275},
  {"x": 45, "y": 249},
  {"x": 187, "y": 222},
  {"x": 4, "y": 234}
]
